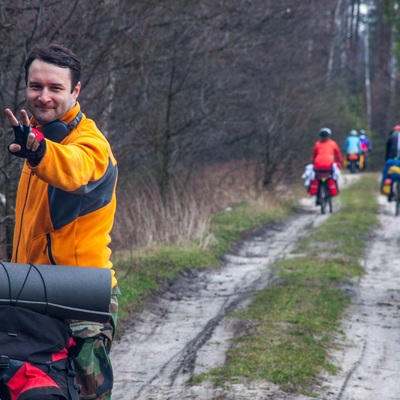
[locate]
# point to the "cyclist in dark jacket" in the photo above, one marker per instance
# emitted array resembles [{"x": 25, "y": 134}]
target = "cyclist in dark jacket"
[
  {"x": 392, "y": 155},
  {"x": 392, "y": 144}
]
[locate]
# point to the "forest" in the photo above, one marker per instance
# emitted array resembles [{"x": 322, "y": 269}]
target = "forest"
[{"x": 207, "y": 103}]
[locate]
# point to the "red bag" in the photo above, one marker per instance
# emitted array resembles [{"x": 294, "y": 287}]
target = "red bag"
[
  {"x": 313, "y": 188},
  {"x": 332, "y": 187}
]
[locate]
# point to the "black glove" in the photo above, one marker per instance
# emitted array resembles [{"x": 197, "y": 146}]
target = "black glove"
[{"x": 21, "y": 133}]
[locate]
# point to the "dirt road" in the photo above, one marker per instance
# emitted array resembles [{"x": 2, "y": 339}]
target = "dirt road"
[{"x": 185, "y": 332}]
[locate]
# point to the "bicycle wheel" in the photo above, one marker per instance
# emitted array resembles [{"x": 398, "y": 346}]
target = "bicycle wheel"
[
  {"x": 352, "y": 167},
  {"x": 324, "y": 196},
  {"x": 397, "y": 196}
]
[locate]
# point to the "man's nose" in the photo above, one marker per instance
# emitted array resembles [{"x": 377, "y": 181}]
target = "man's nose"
[{"x": 44, "y": 96}]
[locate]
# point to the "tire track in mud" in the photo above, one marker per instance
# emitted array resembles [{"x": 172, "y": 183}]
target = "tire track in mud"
[{"x": 185, "y": 333}]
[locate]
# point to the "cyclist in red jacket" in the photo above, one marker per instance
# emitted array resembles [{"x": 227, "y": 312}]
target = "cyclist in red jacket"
[{"x": 326, "y": 151}]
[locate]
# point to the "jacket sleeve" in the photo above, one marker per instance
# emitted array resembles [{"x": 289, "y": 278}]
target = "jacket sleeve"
[
  {"x": 82, "y": 159},
  {"x": 389, "y": 144},
  {"x": 345, "y": 145}
]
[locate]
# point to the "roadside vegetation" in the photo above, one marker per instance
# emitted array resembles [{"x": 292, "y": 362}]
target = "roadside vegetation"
[{"x": 288, "y": 329}]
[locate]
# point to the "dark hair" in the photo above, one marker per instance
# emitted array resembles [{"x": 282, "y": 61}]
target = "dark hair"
[{"x": 58, "y": 55}]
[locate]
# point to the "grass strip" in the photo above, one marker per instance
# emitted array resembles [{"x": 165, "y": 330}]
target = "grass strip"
[{"x": 289, "y": 327}]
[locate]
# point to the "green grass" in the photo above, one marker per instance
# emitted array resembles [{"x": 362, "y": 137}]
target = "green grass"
[
  {"x": 143, "y": 273},
  {"x": 294, "y": 320},
  {"x": 227, "y": 227}
]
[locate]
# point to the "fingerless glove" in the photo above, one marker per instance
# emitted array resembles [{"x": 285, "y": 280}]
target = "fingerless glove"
[{"x": 21, "y": 133}]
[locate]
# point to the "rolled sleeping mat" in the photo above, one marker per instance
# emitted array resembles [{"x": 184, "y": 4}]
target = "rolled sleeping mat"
[{"x": 81, "y": 293}]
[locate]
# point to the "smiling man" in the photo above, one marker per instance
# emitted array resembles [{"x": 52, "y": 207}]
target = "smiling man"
[{"x": 66, "y": 197}]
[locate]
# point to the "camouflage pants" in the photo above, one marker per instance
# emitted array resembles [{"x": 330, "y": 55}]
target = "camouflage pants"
[{"x": 93, "y": 368}]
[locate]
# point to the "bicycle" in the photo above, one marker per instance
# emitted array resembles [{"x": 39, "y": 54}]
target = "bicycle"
[
  {"x": 324, "y": 198},
  {"x": 353, "y": 162},
  {"x": 391, "y": 188},
  {"x": 396, "y": 198}
]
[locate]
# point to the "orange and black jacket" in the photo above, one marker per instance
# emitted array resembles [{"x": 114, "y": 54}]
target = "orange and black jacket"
[{"x": 66, "y": 204}]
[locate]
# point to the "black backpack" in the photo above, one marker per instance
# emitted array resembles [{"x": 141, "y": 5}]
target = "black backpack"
[{"x": 35, "y": 356}]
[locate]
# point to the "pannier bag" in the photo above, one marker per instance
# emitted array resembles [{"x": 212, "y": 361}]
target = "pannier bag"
[
  {"x": 361, "y": 162},
  {"x": 386, "y": 187},
  {"x": 353, "y": 157},
  {"x": 34, "y": 356},
  {"x": 332, "y": 187},
  {"x": 394, "y": 173},
  {"x": 313, "y": 188}
]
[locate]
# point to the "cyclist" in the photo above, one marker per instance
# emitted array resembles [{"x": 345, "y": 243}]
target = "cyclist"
[
  {"x": 392, "y": 144},
  {"x": 392, "y": 156},
  {"x": 352, "y": 144},
  {"x": 366, "y": 146},
  {"x": 325, "y": 153}
]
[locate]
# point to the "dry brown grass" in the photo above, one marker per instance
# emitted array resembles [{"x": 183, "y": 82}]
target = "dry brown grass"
[{"x": 143, "y": 219}]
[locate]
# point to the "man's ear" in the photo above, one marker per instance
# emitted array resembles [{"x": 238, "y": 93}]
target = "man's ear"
[{"x": 77, "y": 90}]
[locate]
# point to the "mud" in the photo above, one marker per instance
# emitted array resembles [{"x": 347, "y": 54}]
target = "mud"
[{"x": 185, "y": 332}]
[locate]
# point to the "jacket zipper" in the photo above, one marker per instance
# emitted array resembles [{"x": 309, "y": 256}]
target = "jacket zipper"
[
  {"x": 49, "y": 250},
  {"x": 22, "y": 216}
]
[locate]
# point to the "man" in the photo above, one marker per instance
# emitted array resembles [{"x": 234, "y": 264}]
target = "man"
[
  {"x": 352, "y": 144},
  {"x": 392, "y": 163},
  {"x": 366, "y": 145},
  {"x": 365, "y": 142},
  {"x": 354, "y": 159},
  {"x": 325, "y": 153},
  {"x": 66, "y": 197},
  {"x": 392, "y": 148}
]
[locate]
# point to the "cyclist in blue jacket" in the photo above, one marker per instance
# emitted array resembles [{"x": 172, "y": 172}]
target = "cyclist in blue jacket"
[{"x": 352, "y": 145}]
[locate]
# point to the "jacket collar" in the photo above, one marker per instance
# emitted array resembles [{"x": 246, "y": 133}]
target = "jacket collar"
[{"x": 59, "y": 129}]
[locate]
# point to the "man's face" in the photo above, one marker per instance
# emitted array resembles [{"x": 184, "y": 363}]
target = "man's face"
[{"x": 48, "y": 91}]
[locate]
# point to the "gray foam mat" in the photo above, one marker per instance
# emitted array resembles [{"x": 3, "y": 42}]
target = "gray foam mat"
[{"x": 61, "y": 291}]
